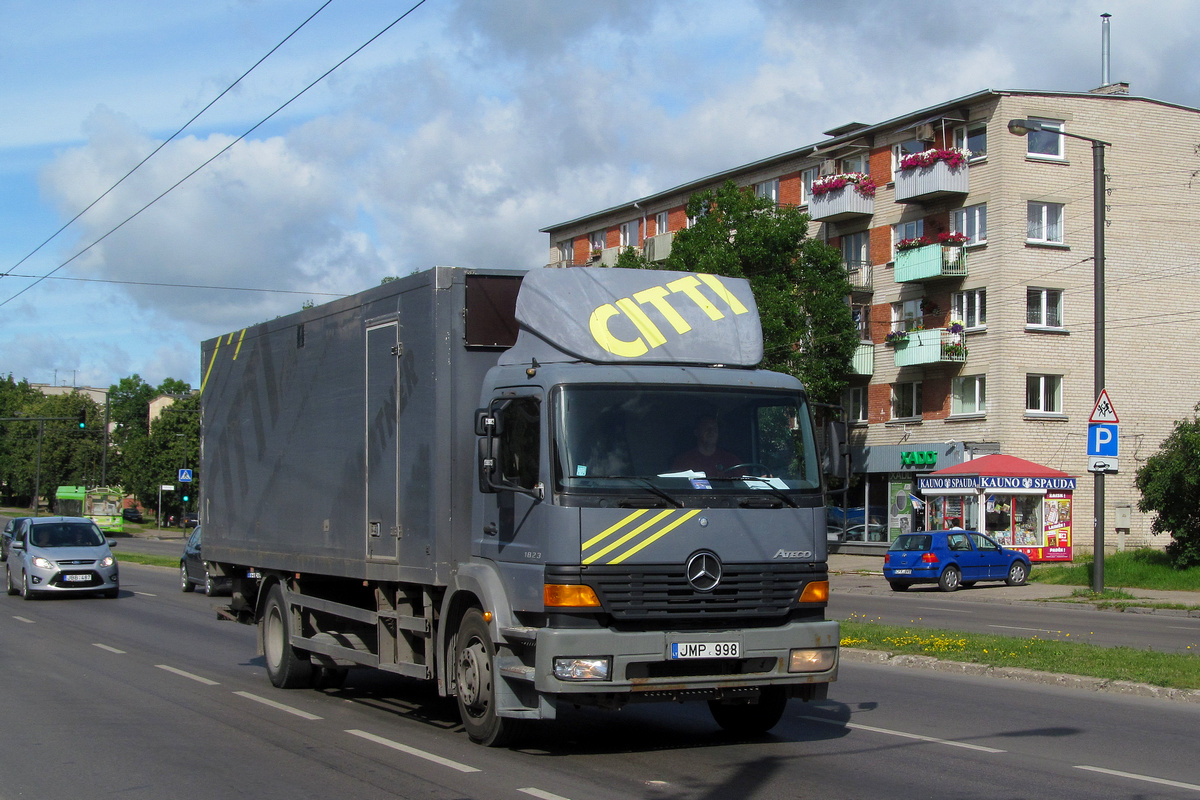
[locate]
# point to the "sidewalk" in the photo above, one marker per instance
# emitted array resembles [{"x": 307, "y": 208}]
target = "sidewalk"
[{"x": 860, "y": 574}]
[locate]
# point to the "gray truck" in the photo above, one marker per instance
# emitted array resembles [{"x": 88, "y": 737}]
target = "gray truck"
[{"x": 529, "y": 487}]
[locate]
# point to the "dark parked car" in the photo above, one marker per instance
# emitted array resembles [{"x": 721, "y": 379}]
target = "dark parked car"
[
  {"x": 193, "y": 571},
  {"x": 132, "y": 514},
  {"x": 951, "y": 559},
  {"x": 10, "y": 528},
  {"x": 189, "y": 520}
]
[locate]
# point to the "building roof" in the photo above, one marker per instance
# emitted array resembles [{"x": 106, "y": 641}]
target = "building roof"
[
  {"x": 843, "y": 135},
  {"x": 1001, "y": 466}
]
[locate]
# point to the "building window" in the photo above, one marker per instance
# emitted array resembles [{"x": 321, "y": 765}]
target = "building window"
[
  {"x": 662, "y": 222},
  {"x": 856, "y": 250},
  {"x": 968, "y": 395},
  {"x": 971, "y": 222},
  {"x": 598, "y": 240},
  {"x": 768, "y": 190},
  {"x": 1045, "y": 222},
  {"x": 806, "y": 181},
  {"x": 566, "y": 250},
  {"x": 856, "y": 403},
  {"x": 629, "y": 233},
  {"x": 1048, "y": 142},
  {"x": 906, "y": 400},
  {"x": 856, "y": 163},
  {"x": 1043, "y": 308},
  {"x": 899, "y": 151},
  {"x": 862, "y": 320},
  {"x": 914, "y": 229},
  {"x": 1043, "y": 394},
  {"x": 972, "y": 138},
  {"x": 970, "y": 307},
  {"x": 906, "y": 315}
]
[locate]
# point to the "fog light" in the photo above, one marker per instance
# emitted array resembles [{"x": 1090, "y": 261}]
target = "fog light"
[
  {"x": 818, "y": 659},
  {"x": 589, "y": 668},
  {"x": 815, "y": 592}
]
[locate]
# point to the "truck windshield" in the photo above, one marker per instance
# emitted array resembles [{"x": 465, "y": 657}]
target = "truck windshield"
[{"x": 620, "y": 439}]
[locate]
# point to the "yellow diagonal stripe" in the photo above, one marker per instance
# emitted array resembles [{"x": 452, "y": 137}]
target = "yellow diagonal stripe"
[
  {"x": 640, "y": 528},
  {"x": 608, "y": 532},
  {"x": 658, "y": 535}
]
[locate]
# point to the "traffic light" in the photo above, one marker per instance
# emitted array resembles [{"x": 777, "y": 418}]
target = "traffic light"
[
  {"x": 83, "y": 418},
  {"x": 185, "y": 498}
]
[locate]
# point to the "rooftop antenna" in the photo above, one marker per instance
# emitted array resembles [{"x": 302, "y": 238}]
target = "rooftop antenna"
[{"x": 1104, "y": 50}]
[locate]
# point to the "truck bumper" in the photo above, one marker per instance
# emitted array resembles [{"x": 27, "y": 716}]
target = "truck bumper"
[{"x": 640, "y": 664}]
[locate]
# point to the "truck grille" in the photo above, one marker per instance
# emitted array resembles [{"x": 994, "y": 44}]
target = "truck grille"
[{"x": 656, "y": 592}]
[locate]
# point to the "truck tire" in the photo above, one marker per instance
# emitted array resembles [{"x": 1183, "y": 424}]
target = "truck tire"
[
  {"x": 751, "y": 719},
  {"x": 286, "y": 667},
  {"x": 475, "y": 684}
]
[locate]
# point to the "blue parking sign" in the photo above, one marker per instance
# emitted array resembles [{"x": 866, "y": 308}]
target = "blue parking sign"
[
  {"x": 185, "y": 475},
  {"x": 1102, "y": 440}
]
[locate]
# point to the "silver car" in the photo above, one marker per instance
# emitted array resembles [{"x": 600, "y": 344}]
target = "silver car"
[{"x": 60, "y": 555}]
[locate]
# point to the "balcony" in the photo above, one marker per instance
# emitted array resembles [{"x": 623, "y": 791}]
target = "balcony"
[
  {"x": 929, "y": 262},
  {"x": 930, "y": 347},
  {"x": 859, "y": 274},
  {"x": 938, "y": 180},
  {"x": 837, "y": 205},
  {"x": 864, "y": 359},
  {"x": 659, "y": 247}
]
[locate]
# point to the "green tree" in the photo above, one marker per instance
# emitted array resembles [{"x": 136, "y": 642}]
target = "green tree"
[
  {"x": 1170, "y": 485},
  {"x": 799, "y": 284},
  {"x": 17, "y": 441}
]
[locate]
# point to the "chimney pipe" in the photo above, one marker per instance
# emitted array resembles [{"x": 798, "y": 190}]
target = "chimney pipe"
[{"x": 1104, "y": 51}]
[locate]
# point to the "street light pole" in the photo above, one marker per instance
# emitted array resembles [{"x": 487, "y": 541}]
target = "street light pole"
[{"x": 1022, "y": 127}]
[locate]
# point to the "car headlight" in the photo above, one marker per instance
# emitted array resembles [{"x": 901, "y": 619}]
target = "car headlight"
[
  {"x": 43, "y": 563},
  {"x": 107, "y": 561}
]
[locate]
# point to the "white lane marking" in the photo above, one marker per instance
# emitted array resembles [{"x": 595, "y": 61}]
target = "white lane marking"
[
  {"x": 1015, "y": 628},
  {"x": 24, "y": 619},
  {"x": 412, "y": 751},
  {"x": 146, "y": 594},
  {"x": 543, "y": 794},
  {"x": 280, "y": 706},
  {"x": 1136, "y": 777},
  {"x": 905, "y": 735},
  {"x": 947, "y": 610},
  {"x": 180, "y": 672},
  {"x": 1182, "y": 627},
  {"x": 109, "y": 649}
]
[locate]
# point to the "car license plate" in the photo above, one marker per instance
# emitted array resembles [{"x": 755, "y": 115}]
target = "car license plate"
[
  {"x": 902, "y": 572},
  {"x": 77, "y": 578},
  {"x": 705, "y": 650}
]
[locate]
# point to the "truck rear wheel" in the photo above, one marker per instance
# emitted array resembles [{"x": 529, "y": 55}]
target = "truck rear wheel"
[
  {"x": 751, "y": 719},
  {"x": 286, "y": 667},
  {"x": 475, "y": 684}
]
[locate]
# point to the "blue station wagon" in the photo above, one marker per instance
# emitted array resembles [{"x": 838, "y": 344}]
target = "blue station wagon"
[{"x": 951, "y": 559}]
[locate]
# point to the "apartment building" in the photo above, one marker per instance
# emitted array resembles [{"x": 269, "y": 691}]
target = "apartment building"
[{"x": 971, "y": 253}]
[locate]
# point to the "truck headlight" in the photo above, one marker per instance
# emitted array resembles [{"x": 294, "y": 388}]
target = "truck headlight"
[
  {"x": 817, "y": 659},
  {"x": 586, "y": 668}
]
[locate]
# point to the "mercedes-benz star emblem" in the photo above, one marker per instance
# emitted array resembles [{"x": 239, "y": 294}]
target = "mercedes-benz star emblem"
[{"x": 704, "y": 571}]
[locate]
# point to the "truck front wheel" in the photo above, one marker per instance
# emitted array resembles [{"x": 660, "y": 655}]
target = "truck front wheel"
[
  {"x": 287, "y": 668},
  {"x": 475, "y": 684},
  {"x": 751, "y": 719}
]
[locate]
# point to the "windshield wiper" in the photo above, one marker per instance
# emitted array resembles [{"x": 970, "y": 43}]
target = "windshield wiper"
[
  {"x": 765, "y": 485},
  {"x": 648, "y": 486}
]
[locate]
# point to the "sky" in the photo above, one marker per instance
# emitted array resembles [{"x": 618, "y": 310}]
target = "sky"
[{"x": 450, "y": 139}]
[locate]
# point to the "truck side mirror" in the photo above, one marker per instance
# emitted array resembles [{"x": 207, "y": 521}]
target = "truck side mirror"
[
  {"x": 837, "y": 450},
  {"x": 487, "y": 464}
]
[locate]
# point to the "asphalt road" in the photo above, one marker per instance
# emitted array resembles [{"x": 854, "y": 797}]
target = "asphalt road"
[{"x": 150, "y": 696}]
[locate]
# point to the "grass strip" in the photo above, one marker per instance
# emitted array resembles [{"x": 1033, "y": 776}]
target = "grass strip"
[
  {"x": 145, "y": 558},
  {"x": 1143, "y": 568},
  {"x": 1170, "y": 670}
]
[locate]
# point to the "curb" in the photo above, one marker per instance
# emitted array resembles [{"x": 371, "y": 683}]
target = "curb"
[{"x": 1087, "y": 683}]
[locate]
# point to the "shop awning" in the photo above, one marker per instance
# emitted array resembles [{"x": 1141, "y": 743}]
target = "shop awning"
[{"x": 998, "y": 472}]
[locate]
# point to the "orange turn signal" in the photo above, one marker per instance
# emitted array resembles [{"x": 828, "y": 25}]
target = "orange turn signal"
[
  {"x": 570, "y": 595},
  {"x": 815, "y": 592}
]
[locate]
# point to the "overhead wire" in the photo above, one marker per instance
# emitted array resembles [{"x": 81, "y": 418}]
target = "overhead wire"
[{"x": 218, "y": 154}]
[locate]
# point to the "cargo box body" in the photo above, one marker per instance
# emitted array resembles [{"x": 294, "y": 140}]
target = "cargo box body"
[{"x": 337, "y": 440}]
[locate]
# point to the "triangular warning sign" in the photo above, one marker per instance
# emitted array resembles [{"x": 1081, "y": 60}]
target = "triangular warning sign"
[{"x": 1104, "y": 411}]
